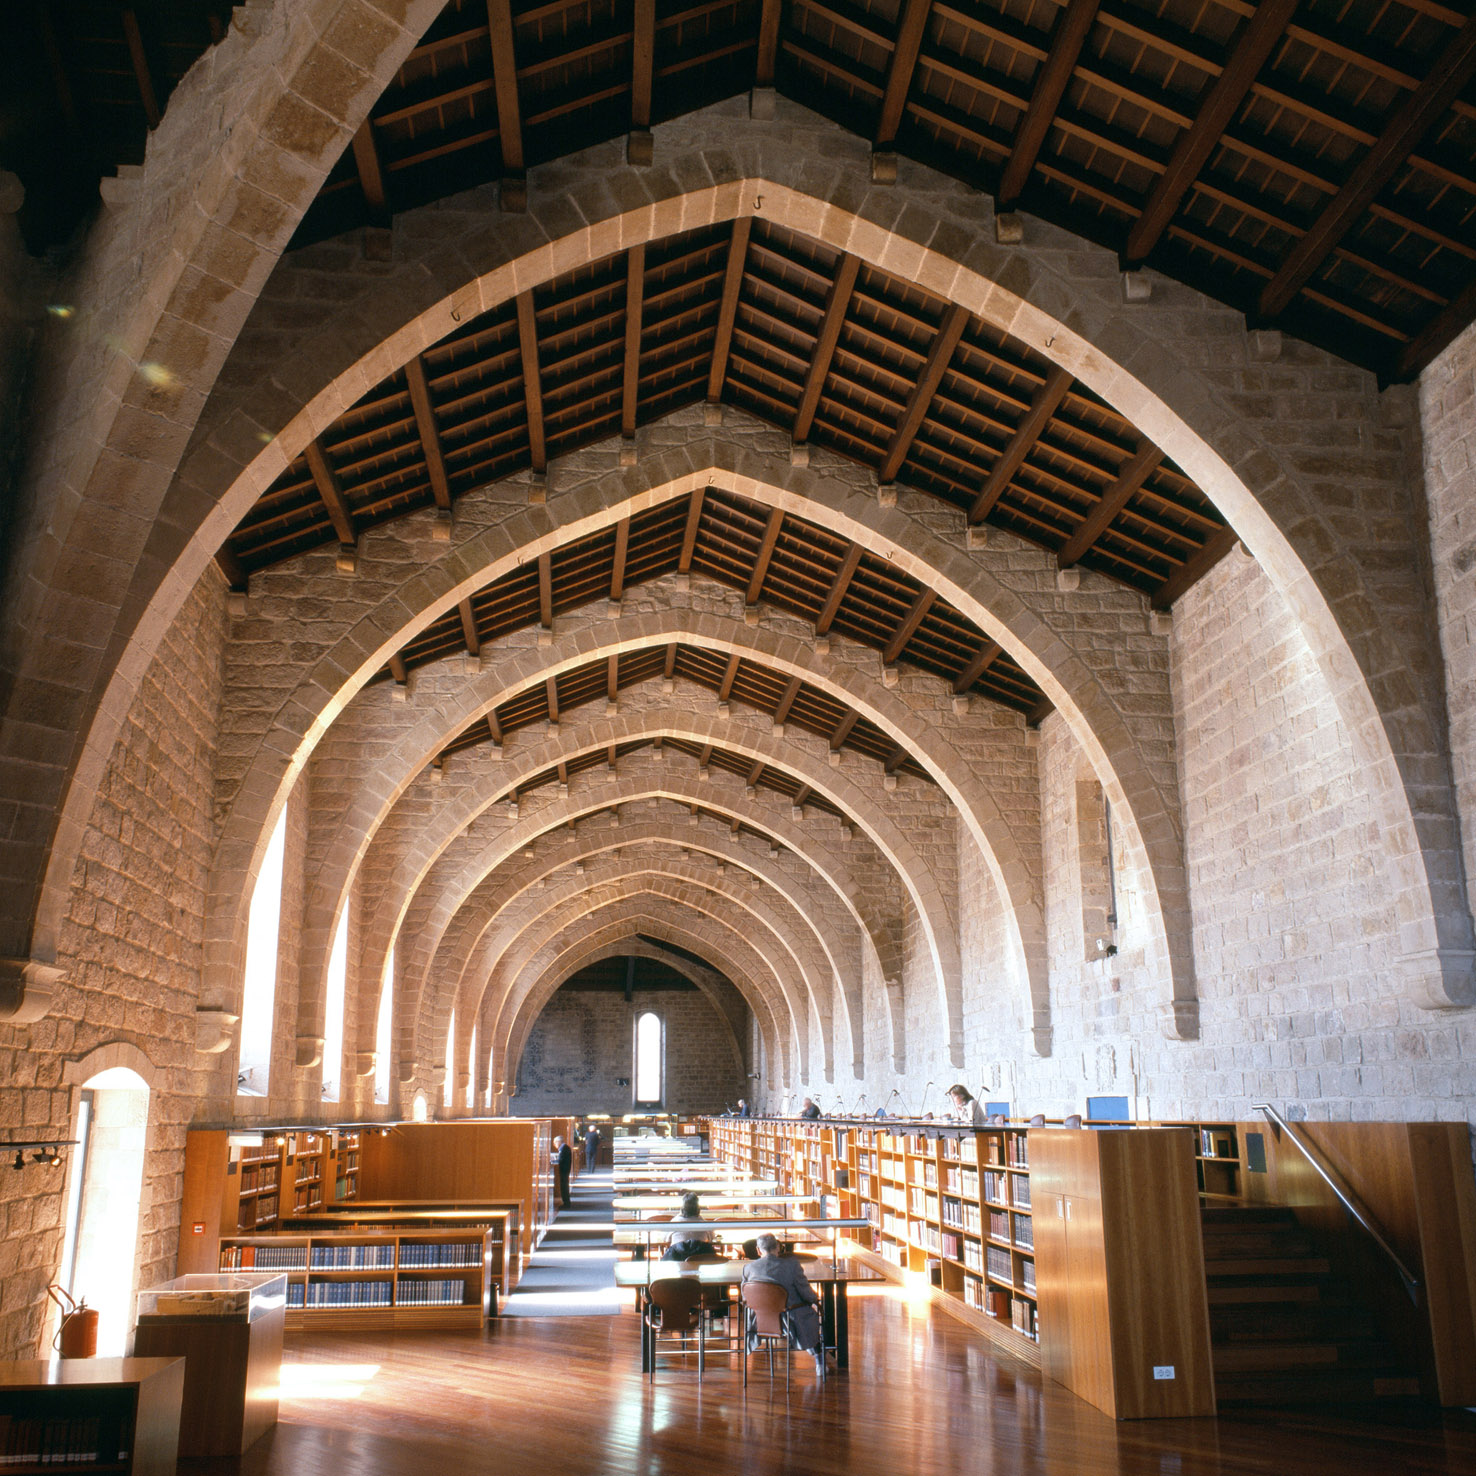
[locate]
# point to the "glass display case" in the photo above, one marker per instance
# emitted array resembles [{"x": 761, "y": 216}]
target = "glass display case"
[{"x": 232, "y": 1296}]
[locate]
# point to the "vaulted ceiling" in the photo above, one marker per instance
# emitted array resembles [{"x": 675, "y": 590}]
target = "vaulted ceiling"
[{"x": 1309, "y": 162}]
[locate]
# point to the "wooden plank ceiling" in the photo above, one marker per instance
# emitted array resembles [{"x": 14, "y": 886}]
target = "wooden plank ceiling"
[
  {"x": 1309, "y": 162},
  {"x": 829, "y": 351}
]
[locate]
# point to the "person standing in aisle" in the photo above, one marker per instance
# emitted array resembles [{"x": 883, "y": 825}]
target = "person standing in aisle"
[
  {"x": 563, "y": 1156},
  {"x": 591, "y": 1145}
]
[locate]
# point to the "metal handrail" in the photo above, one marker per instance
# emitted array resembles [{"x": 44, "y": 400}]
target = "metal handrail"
[{"x": 1346, "y": 1197}]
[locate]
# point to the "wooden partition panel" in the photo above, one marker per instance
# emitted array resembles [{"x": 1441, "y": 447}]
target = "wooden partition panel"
[
  {"x": 1119, "y": 1262},
  {"x": 503, "y": 1160},
  {"x": 1416, "y": 1181}
]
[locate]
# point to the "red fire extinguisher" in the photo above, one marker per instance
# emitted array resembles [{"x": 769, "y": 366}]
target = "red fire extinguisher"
[{"x": 77, "y": 1335}]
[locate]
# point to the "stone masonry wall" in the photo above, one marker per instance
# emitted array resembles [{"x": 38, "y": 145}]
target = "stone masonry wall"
[
  {"x": 1448, "y": 420},
  {"x": 131, "y": 953},
  {"x": 583, "y": 1043}
]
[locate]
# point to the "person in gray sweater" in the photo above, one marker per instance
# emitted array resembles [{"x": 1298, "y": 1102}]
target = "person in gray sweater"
[{"x": 802, "y": 1318}]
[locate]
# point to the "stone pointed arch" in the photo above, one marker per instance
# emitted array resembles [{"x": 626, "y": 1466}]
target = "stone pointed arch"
[{"x": 767, "y": 917}]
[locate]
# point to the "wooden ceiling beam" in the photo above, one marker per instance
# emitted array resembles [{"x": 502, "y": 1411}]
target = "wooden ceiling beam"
[
  {"x": 842, "y": 729},
  {"x": 142, "y": 75},
  {"x": 532, "y": 380},
  {"x": 765, "y": 555},
  {"x": 800, "y": 796},
  {"x": 612, "y": 677},
  {"x": 837, "y": 303},
  {"x": 908, "y": 627},
  {"x": 505, "y": 83},
  {"x": 635, "y": 291},
  {"x": 987, "y": 655},
  {"x": 844, "y": 575},
  {"x": 1416, "y": 115},
  {"x": 668, "y": 669},
  {"x": 704, "y": 757},
  {"x": 643, "y": 59},
  {"x": 728, "y": 311},
  {"x": 1253, "y": 47},
  {"x": 617, "y": 570},
  {"x": 787, "y": 700},
  {"x": 895, "y": 760},
  {"x": 1193, "y": 569},
  {"x": 469, "y": 628},
  {"x": 940, "y": 351},
  {"x": 325, "y": 480},
  {"x": 756, "y": 772},
  {"x": 398, "y": 669},
  {"x": 562, "y": 770},
  {"x": 1043, "y": 404},
  {"x": 371, "y": 174},
  {"x": 545, "y": 591},
  {"x": 768, "y": 44},
  {"x": 1439, "y": 332},
  {"x": 494, "y": 731},
  {"x": 430, "y": 435},
  {"x": 911, "y": 27},
  {"x": 229, "y": 565},
  {"x": 1137, "y": 470},
  {"x": 725, "y": 687},
  {"x": 551, "y": 696},
  {"x": 1045, "y": 97},
  {"x": 689, "y": 535}
]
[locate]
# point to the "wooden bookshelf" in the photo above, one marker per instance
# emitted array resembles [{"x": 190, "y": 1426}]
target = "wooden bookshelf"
[
  {"x": 103, "y": 1415},
  {"x": 344, "y": 1278}
]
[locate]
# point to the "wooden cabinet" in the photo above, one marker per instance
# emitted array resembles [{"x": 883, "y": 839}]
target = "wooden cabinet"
[
  {"x": 1124, "y": 1314},
  {"x": 115, "y": 1415}
]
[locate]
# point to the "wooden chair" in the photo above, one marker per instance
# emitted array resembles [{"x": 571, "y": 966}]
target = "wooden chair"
[
  {"x": 674, "y": 1307},
  {"x": 714, "y": 1298},
  {"x": 766, "y": 1301}
]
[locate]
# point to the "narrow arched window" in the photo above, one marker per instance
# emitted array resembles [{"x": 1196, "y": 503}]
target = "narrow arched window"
[
  {"x": 448, "y": 1092},
  {"x": 648, "y": 1063},
  {"x": 259, "y": 987},
  {"x": 382, "y": 1031},
  {"x": 333, "y": 1013}
]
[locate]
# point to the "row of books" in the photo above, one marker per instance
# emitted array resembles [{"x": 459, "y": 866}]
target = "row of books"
[
  {"x": 460, "y": 1253},
  {"x": 351, "y": 1257},
  {"x": 258, "y": 1176},
  {"x": 999, "y": 1264},
  {"x": 1213, "y": 1144},
  {"x": 431, "y": 1293},
  {"x": 350, "y": 1293},
  {"x": 952, "y": 1212},
  {"x": 263, "y": 1258},
  {"x": 60, "y": 1440}
]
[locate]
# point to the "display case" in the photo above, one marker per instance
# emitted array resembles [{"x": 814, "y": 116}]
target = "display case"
[{"x": 235, "y": 1296}]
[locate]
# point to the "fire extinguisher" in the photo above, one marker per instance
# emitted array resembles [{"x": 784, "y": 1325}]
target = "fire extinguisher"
[{"x": 77, "y": 1335}]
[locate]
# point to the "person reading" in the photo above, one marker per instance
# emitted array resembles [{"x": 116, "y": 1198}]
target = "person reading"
[
  {"x": 802, "y": 1316},
  {"x": 966, "y": 1106},
  {"x": 687, "y": 1240}
]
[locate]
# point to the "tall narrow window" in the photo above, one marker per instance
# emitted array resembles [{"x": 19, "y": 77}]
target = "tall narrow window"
[
  {"x": 448, "y": 1094},
  {"x": 259, "y": 989},
  {"x": 333, "y": 1013},
  {"x": 648, "y": 1061},
  {"x": 471, "y": 1085},
  {"x": 382, "y": 1031}
]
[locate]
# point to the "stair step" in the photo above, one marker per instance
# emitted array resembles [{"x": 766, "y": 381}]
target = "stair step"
[
  {"x": 1249, "y": 1244},
  {"x": 1330, "y": 1386},
  {"x": 1348, "y": 1354},
  {"x": 1244, "y": 1214},
  {"x": 1245, "y": 1292},
  {"x": 1270, "y": 1323},
  {"x": 1266, "y": 1266}
]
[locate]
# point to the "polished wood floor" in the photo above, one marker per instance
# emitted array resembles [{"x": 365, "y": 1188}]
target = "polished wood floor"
[{"x": 923, "y": 1395}]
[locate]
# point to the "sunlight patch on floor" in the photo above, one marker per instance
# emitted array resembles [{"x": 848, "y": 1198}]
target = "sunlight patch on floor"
[{"x": 326, "y": 1380}]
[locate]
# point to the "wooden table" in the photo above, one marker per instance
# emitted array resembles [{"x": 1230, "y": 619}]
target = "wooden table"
[
  {"x": 98, "y": 1406},
  {"x": 831, "y": 1279},
  {"x": 643, "y": 1234}
]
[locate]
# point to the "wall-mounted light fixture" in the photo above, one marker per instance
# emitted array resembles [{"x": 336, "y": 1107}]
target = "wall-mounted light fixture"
[{"x": 42, "y": 1150}]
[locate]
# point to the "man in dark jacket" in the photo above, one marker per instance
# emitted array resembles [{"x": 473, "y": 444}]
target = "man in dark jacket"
[{"x": 564, "y": 1157}]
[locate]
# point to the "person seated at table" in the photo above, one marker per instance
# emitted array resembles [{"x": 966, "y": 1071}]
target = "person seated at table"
[
  {"x": 687, "y": 1240},
  {"x": 966, "y": 1106},
  {"x": 809, "y": 1111},
  {"x": 802, "y": 1316}
]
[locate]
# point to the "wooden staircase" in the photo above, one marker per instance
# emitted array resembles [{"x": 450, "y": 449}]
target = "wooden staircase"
[{"x": 1283, "y": 1328}]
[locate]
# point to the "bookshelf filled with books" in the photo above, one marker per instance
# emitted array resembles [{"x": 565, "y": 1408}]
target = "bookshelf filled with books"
[
  {"x": 422, "y": 1278},
  {"x": 948, "y": 1204}
]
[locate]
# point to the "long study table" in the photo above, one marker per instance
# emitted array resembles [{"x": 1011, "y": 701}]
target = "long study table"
[{"x": 830, "y": 1278}]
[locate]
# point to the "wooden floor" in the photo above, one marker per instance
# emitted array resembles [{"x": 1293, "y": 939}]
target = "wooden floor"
[{"x": 565, "y": 1395}]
